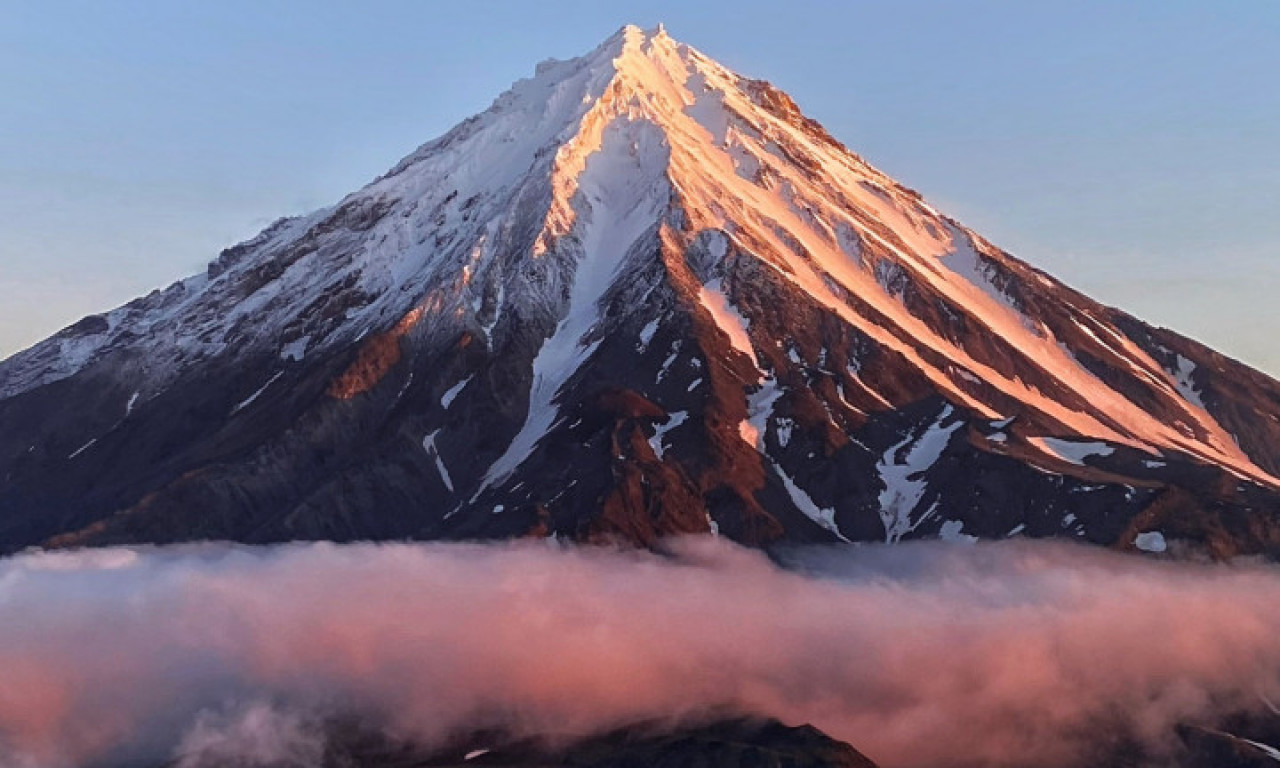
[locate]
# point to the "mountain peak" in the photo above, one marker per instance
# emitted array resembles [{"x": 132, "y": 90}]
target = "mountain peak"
[
  {"x": 636, "y": 35},
  {"x": 642, "y": 34}
]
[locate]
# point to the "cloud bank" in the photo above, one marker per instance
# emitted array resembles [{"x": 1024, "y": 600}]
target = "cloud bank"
[{"x": 918, "y": 655}]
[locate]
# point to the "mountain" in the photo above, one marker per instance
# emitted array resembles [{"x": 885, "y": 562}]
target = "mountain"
[
  {"x": 729, "y": 742},
  {"x": 640, "y": 295},
  {"x": 740, "y": 742}
]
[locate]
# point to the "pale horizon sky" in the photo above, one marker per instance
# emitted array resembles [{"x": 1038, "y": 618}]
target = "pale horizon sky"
[{"x": 1133, "y": 150}]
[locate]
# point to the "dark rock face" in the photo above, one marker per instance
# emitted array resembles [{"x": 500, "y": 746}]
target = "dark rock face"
[
  {"x": 611, "y": 337},
  {"x": 1209, "y": 748},
  {"x": 740, "y": 742},
  {"x": 731, "y": 744},
  {"x": 735, "y": 743},
  {"x": 1244, "y": 739}
]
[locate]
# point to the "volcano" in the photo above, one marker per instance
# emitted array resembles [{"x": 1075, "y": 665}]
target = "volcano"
[{"x": 639, "y": 296}]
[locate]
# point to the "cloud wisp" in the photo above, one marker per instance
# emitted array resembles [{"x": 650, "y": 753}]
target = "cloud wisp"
[{"x": 921, "y": 654}]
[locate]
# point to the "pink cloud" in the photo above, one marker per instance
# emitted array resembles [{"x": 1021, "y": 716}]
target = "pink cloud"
[{"x": 919, "y": 655}]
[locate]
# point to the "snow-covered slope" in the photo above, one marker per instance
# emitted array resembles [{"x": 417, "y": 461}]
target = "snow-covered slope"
[{"x": 639, "y": 295}]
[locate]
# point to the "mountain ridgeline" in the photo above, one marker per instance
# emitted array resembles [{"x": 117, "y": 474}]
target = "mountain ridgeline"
[{"x": 639, "y": 296}]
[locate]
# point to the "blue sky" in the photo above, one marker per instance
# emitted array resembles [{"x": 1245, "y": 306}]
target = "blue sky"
[{"x": 1133, "y": 148}]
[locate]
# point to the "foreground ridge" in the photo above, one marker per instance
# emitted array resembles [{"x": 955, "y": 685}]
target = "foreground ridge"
[{"x": 639, "y": 295}]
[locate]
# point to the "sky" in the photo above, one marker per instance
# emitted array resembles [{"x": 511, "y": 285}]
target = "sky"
[{"x": 1132, "y": 149}]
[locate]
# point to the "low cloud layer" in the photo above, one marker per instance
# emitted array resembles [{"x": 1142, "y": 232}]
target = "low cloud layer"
[{"x": 919, "y": 655}]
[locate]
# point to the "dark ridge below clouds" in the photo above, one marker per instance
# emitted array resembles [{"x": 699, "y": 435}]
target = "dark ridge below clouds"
[{"x": 927, "y": 654}]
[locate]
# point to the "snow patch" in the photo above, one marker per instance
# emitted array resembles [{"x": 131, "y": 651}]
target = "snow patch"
[
  {"x": 646, "y": 333},
  {"x": 854, "y": 372},
  {"x": 902, "y": 469},
  {"x": 759, "y": 409},
  {"x": 1182, "y": 374},
  {"x": 660, "y": 431},
  {"x": 953, "y": 531},
  {"x": 245, "y": 403},
  {"x": 296, "y": 349},
  {"x": 1266, "y": 749},
  {"x": 708, "y": 108},
  {"x": 499, "y": 304},
  {"x": 965, "y": 261},
  {"x": 82, "y": 448},
  {"x": 823, "y": 516},
  {"x": 429, "y": 445},
  {"x": 1071, "y": 451},
  {"x": 666, "y": 364},
  {"x": 1150, "y": 541},
  {"x": 447, "y": 398},
  {"x": 782, "y": 428},
  {"x": 727, "y": 317}
]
